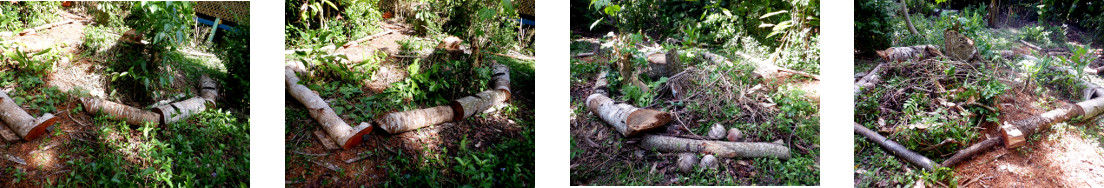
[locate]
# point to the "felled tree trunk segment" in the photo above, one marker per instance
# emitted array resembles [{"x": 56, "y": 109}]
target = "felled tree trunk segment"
[
  {"x": 627, "y": 119},
  {"x": 895, "y": 148},
  {"x": 338, "y": 130},
  {"x": 870, "y": 79},
  {"x": 468, "y": 106},
  {"x": 899, "y": 54},
  {"x": 25, "y": 125},
  {"x": 397, "y": 122},
  {"x": 1015, "y": 133},
  {"x": 177, "y": 111},
  {"x": 964, "y": 154},
  {"x": 663, "y": 64},
  {"x": 131, "y": 115},
  {"x": 501, "y": 79},
  {"x": 601, "y": 86},
  {"x": 717, "y": 148}
]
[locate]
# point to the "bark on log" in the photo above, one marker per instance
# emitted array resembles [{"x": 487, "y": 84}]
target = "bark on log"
[
  {"x": 1014, "y": 133},
  {"x": 870, "y": 79},
  {"x": 501, "y": 79},
  {"x": 964, "y": 154},
  {"x": 625, "y": 118},
  {"x": 22, "y": 123},
  {"x": 44, "y": 27},
  {"x": 906, "y": 53},
  {"x": 717, "y": 148},
  {"x": 895, "y": 148},
  {"x": 177, "y": 111},
  {"x": 397, "y": 122},
  {"x": 663, "y": 64},
  {"x": 338, "y": 130},
  {"x": 131, "y": 115},
  {"x": 601, "y": 86},
  {"x": 468, "y": 106}
]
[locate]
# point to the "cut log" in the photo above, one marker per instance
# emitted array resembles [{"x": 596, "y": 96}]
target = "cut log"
[
  {"x": 958, "y": 47},
  {"x": 398, "y": 122},
  {"x": 601, "y": 86},
  {"x": 964, "y": 154},
  {"x": 870, "y": 79},
  {"x": 468, "y": 106},
  {"x": 177, "y": 111},
  {"x": 1014, "y": 133},
  {"x": 627, "y": 119},
  {"x": 131, "y": 115},
  {"x": 338, "y": 130},
  {"x": 22, "y": 123},
  {"x": 663, "y": 64},
  {"x": 899, "y": 54},
  {"x": 895, "y": 148},
  {"x": 208, "y": 89},
  {"x": 501, "y": 78},
  {"x": 717, "y": 148},
  {"x": 44, "y": 27}
]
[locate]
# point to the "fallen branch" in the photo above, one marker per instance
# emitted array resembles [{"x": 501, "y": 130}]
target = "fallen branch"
[
  {"x": 964, "y": 154},
  {"x": 131, "y": 115},
  {"x": 718, "y": 148},
  {"x": 22, "y": 123},
  {"x": 870, "y": 79},
  {"x": 918, "y": 52},
  {"x": 358, "y": 41},
  {"x": 338, "y": 130},
  {"x": 895, "y": 148}
]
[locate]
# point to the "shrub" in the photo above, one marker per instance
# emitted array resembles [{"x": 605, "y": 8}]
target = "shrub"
[{"x": 873, "y": 25}]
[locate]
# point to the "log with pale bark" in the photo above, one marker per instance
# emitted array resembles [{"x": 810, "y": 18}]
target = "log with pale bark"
[
  {"x": 208, "y": 89},
  {"x": 177, "y": 111},
  {"x": 625, "y": 118},
  {"x": 870, "y": 79},
  {"x": 337, "y": 129},
  {"x": 22, "y": 123},
  {"x": 500, "y": 78},
  {"x": 969, "y": 152},
  {"x": 131, "y": 115},
  {"x": 470, "y": 105},
  {"x": 718, "y": 148},
  {"x": 907, "y": 53},
  {"x": 1015, "y": 133},
  {"x": 895, "y": 148},
  {"x": 398, "y": 122}
]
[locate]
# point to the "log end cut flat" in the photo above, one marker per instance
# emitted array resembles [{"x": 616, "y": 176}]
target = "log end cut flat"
[
  {"x": 643, "y": 120},
  {"x": 1013, "y": 137},
  {"x": 360, "y": 130},
  {"x": 40, "y": 127}
]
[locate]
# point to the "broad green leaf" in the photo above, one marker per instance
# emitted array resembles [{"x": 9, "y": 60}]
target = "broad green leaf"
[{"x": 772, "y": 14}]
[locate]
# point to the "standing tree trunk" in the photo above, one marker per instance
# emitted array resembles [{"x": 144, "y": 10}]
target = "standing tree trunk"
[
  {"x": 718, "y": 148},
  {"x": 908, "y": 20},
  {"x": 338, "y": 130},
  {"x": 993, "y": 6},
  {"x": 21, "y": 122},
  {"x": 131, "y": 115}
]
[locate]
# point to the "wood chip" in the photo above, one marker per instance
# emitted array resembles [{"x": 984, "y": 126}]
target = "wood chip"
[{"x": 326, "y": 141}]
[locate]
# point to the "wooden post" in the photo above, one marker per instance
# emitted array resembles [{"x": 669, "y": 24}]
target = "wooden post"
[
  {"x": 338, "y": 130},
  {"x": 718, "y": 148},
  {"x": 397, "y": 122},
  {"x": 22, "y": 123},
  {"x": 131, "y": 115},
  {"x": 895, "y": 148}
]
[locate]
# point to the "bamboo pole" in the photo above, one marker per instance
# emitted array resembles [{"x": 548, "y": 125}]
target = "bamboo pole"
[
  {"x": 338, "y": 130},
  {"x": 718, "y": 148},
  {"x": 22, "y": 123},
  {"x": 131, "y": 115}
]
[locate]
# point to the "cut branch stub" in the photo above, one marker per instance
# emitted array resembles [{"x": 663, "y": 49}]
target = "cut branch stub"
[
  {"x": 625, "y": 118},
  {"x": 131, "y": 115},
  {"x": 501, "y": 79},
  {"x": 338, "y": 130},
  {"x": 717, "y": 148},
  {"x": 397, "y": 122},
  {"x": 468, "y": 106},
  {"x": 22, "y": 123},
  {"x": 895, "y": 148}
]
